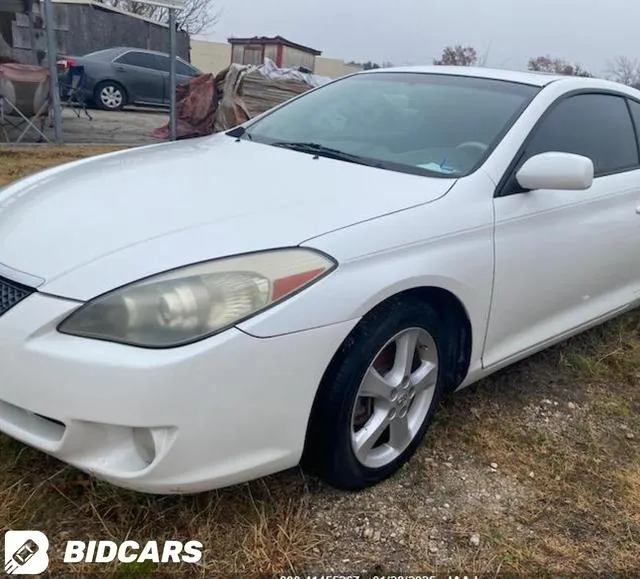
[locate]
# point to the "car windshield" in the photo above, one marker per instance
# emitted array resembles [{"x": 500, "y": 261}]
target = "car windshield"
[{"x": 433, "y": 124}]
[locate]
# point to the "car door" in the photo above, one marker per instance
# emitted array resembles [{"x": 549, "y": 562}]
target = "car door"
[
  {"x": 138, "y": 73},
  {"x": 564, "y": 259},
  {"x": 634, "y": 107},
  {"x": 184, "y": 73}
]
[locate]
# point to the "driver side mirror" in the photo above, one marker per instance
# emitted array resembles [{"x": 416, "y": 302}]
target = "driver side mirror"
[{"x": 564, "y": 171}]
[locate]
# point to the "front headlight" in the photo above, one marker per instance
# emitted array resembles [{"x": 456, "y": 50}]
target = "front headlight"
[{"x": 185, "y": 305}]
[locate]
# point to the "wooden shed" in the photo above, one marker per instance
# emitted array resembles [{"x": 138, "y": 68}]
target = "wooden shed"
[
  {"x": 81, "y": 26},
  {"x": 283, "y": 52},
  {"x": 9, "y": 11}
]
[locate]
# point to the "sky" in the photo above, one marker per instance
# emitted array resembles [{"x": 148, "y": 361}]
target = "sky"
[{"x": 509, "y": 32}]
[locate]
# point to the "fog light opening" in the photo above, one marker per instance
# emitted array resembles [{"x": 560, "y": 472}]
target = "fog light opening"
[{"x": 145, "y": 444}]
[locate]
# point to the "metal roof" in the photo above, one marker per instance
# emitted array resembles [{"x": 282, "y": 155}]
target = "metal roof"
[
  {"x": 101, "y": 6},
  {"x": 274, "y": 40}
]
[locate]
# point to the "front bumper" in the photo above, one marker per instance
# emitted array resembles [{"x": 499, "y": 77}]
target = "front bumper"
[{"x": 211, "y": 414}]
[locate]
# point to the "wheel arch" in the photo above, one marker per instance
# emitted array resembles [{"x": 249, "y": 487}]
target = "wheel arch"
[
  {"x": 458, "y": 333},
  {"x": 454, "y": 317},
  {"x": 457, "y": 324},
  {"x": 457, "y": 341}
]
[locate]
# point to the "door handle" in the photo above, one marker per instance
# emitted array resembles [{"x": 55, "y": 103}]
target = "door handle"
[{"x": 638, "y": 209}]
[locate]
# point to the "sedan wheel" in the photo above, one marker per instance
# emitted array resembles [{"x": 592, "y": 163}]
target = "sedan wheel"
[
  {"x": 110, "y": 96},
  {"x": 394, "y": 397},
  {"x": 377, "y": 397}
]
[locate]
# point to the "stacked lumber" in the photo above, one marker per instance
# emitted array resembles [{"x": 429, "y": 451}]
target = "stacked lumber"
[{"x": 233, "y": 96}]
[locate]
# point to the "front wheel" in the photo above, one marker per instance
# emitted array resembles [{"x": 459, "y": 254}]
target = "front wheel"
[{"x": 377, "y": 398}]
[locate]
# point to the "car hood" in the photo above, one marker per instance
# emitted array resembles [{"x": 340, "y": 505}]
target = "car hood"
[{"x": 99, "y": 223}]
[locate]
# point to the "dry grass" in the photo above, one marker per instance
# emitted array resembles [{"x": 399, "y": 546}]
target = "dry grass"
[
  {"x": 564, "y": 428},
  {"x": 17, "y": 162},
  {"x": 582, "y": 511},
  {"x": 262, "y": 525}
]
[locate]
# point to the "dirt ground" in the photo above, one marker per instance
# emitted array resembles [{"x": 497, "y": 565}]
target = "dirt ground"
[
  {"x": 534, "y": 471},
  {"x": 128, "y": 127}
]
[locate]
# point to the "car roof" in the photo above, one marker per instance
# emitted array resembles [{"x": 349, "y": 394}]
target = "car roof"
[
  {"x": 105, "y": 53},
  {"x": 116, "y": 51},
  {"x": 529, "y": 77}
]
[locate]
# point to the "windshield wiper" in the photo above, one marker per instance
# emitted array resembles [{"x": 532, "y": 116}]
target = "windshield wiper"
[{"x": 322, "y": 151}]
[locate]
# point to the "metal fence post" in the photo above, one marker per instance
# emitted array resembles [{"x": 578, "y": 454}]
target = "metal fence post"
[
  {"x": 172, "y": 74},
  {"x": 53, "y": 70}
]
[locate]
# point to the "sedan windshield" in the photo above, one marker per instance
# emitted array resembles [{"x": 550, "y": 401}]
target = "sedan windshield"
[{"x": 433, "y": 124}]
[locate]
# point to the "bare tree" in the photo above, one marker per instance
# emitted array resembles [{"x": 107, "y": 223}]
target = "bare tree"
[
  {"x": 369, "y": 65},
  {"x": 198, "y": 16},
  {"x": 557, "y": 66},
  {"x": 625, "y": 70},
  {"x": 482, "y": 60},
  {"x": 458, "y": 56}
]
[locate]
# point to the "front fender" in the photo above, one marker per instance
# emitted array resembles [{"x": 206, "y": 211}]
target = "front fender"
[{"x": 447, "y": 244}]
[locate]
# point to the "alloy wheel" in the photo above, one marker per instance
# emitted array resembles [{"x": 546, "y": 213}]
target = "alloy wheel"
[{"x": 394, "y": 397}]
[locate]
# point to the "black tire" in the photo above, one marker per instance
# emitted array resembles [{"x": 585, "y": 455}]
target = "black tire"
[
  {"x": 328, "y": 450},
  {"x": 114, "y": 88}
]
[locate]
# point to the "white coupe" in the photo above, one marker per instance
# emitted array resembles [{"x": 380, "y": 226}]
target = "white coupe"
[{"x": 305, "y": 287}]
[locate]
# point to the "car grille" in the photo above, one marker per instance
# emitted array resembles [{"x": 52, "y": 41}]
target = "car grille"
[{"x": 12, "y": 293}]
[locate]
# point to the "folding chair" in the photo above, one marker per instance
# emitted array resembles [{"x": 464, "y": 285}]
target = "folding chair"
[
  {"x": 73, "y": 93},
  {"x": 12, "y": 116},
  {"x": 22, "y": 89}
]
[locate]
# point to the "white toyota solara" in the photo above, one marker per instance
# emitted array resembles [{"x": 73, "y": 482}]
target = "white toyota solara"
[{"x": 305, "y": 287}]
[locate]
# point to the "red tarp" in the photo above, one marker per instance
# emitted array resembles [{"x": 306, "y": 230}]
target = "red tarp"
[
  {"x": 195, "y": 109},
  {"x": 209, "y": 104}
]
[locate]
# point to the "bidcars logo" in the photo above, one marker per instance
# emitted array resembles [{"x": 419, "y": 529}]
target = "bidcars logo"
[
  {"x": 25, "y": 552},
  {"x": 133, "y": 552}
]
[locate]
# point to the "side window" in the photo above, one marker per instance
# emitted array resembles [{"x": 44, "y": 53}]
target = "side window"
[
  {"x": 597, "y": 126},
  {"x": 162, "y": 63},
  {"x": 634, "y": 106},
  {"x": 184, "y": 69},
  {"x": 138, "y": 59}
]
